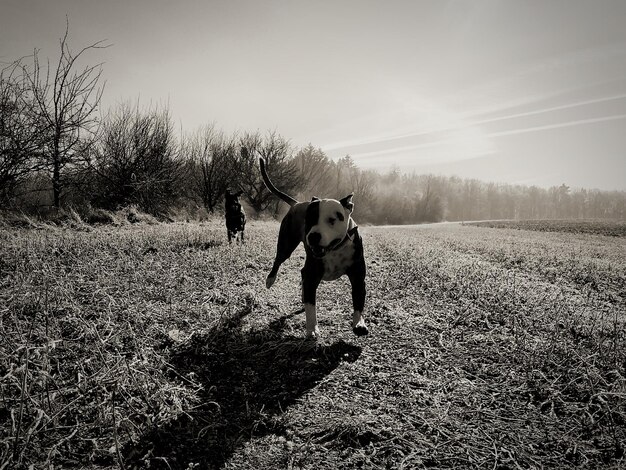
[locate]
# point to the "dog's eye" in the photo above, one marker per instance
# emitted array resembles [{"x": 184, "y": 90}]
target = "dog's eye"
[{"x": 331, "y": 221}]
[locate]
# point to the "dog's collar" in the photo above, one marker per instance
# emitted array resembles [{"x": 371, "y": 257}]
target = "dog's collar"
[{"x": 350, "y": 234}]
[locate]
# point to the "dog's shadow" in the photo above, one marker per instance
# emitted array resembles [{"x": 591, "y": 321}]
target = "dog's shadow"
[{"x": 249, "y": 379}]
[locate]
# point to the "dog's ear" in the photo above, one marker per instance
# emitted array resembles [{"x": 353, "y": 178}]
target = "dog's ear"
[
  {"x": 347, "y": 202},
  {"x": 315, "y": 198}
]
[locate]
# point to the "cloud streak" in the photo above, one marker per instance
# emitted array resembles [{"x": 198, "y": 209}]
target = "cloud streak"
[
  {"x": 473, "y": 152},
  {"x": 468, "y": 124},
  {"x": 558, "y": 125}
]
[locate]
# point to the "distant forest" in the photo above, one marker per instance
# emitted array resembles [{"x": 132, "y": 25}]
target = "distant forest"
[{"x": 58, "y": 150}]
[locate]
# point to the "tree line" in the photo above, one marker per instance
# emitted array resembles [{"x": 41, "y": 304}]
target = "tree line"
[{"x": 58, "y": 148}]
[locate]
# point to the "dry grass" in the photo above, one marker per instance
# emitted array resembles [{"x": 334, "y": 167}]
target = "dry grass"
[{"x": 158, "y": 346}]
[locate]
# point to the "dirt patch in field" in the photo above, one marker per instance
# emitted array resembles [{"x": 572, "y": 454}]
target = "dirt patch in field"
[{"x": 611, "y": 228}]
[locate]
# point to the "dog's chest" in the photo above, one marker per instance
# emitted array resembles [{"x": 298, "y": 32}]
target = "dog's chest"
[
  {"x": 337, "y": 262},
  {"x": 235, "y": 220}
]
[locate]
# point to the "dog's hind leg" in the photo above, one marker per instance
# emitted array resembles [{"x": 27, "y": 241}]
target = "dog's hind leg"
[
  {"x": 283, "y": 252},
  {"x": 284, "y": 248}
]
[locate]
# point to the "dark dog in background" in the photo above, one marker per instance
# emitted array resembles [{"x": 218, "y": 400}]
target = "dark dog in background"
[{"x": 235, "y": 216}]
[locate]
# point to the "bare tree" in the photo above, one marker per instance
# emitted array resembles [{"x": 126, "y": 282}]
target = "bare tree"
[
  {"x": 280, "y": 165},
  {"x": 430, "y": 206},
  {"x": 316, "y": 171},
  {"x": 66, "y": 99},
  {"x": 344, "y": 169},
  {"x": 138, "y": 160},
  {"x": 20, "y": 140},
  {"x": 212, "y": 156},
  {"x": 363, "y": 185}
]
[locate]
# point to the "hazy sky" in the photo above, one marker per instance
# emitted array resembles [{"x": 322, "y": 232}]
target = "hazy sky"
[{"x": 530, "y": 92}]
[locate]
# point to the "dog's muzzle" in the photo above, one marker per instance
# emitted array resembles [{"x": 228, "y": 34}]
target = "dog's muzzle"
[
  {"x": 318, "y": 251},
  {"x": 321, "y": 251}
]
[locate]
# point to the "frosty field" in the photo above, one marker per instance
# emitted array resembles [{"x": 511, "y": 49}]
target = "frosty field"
[{"x": 158, "y": 346}]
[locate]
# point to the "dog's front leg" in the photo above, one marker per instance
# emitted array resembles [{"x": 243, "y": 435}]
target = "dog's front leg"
[
  {"x": 310, "y": 282},
  {"x": 357, "y": 280}
]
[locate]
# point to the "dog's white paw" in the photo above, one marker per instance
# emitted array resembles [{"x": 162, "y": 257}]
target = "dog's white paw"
[
  {"x": 313, "y": 334},
  {"x": 360, "y": 328},
  {"x": 312, "y": 331}
]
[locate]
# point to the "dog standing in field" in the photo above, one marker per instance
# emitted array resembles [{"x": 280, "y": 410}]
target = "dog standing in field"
[
  {"x": 333, "y": 248},
  {"x": 235, "y": 216}
]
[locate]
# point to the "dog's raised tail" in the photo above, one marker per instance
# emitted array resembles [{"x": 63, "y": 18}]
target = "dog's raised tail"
[{"x": 285, "y": 197}]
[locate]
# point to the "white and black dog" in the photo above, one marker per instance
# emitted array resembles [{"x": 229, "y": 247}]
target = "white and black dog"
[{"x": 333, "y": 248}]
